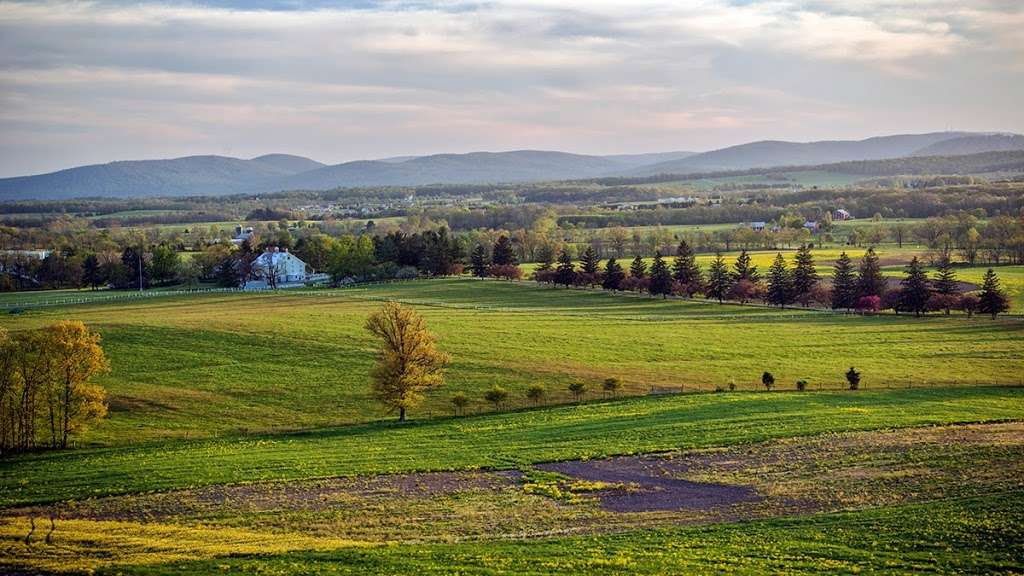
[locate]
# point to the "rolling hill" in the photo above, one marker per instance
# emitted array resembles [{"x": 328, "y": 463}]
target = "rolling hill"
[
  {"x": 973, "y": 145},
  {"x": 768, "y": 153}
]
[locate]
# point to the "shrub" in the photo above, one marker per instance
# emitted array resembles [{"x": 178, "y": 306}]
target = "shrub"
[
  {"x": 719, "y": 389},
  {"x": 496, "y": 396},
  {"x": 869, "y": 304},
  {"x": 768, "y": 380},
  {"x": 544, "y": 276},
  {"x": 505, "y": 271},
  {"x": 578, "y": 389},
  {"x": 460, "y": 401},
  {"x": 611, "y": 386},
  {"x": 853, "y": 378},
  {"x": 535, "y": 393},
  {"x": 801, "y": 385},
  {"x": 732, "y": 384},
  {"x": 969, "y": 304}
]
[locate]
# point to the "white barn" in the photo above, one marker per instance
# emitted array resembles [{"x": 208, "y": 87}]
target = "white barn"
[{"x": 285, "y": 267}]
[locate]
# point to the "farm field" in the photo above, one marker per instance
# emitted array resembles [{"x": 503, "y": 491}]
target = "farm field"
[{"x": 210, "y": 364}]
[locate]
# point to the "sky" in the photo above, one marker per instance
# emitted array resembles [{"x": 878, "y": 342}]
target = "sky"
[{"x": 91, "y": 82}]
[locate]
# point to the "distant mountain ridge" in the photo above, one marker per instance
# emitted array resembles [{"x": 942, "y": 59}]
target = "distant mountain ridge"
[
  {"x": 219, "y": 175},
  {"x": 767, "y": 153}
]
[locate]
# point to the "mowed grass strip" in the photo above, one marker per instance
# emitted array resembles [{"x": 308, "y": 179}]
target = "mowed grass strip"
[
  {"x": 972, "y": 536},
  {"x": 499, "y": 441},
  {"x": 222, "y": 364}
]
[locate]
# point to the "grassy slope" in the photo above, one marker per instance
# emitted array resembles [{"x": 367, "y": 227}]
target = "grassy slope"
[
  {"x": 502, "y": 441},
  {"x": 217, "y": 364},
  {"x": 959, "y": 536}
]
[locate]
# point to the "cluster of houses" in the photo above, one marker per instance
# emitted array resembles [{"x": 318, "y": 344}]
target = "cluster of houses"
[{"x": 814, "y": 226}]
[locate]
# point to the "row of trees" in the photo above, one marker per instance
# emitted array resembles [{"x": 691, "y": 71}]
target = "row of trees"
[
  {"x": 46, "y": 393},
  {"x": 861, "y": 288}
]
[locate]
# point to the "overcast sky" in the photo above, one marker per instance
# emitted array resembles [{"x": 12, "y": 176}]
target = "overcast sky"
[{"x": 87, "y": 82}]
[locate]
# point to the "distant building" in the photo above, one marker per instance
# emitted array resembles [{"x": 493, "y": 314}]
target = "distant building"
[
  {"x": 758, "y": 226},
  {"x": 812, "y": 225},
  {"x": 277, "y": 267},
  {"x": 840, "y": 215},
  {"x": 242, "y": 234}
]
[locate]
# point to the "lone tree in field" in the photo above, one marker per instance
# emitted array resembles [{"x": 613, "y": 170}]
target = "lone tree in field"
[
  {"x": 853, "y": 378},
  {"x": 613, "y": 275},
  {"x": 478, "y": 261},
  {"x": 409, "y": 362},
  {"x": 915, "y": 288},
  {"x": 76, "y": 356},
  {"x": 992, "y": 300},
  {"x": 661, "y": 278},
  {"x": 611, "y": 386},
  {"x": 719, "y": 282},
  {"x": 768, "y": 380}
]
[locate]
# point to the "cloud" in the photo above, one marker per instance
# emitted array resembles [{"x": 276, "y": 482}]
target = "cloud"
[{"x": 93, "y": 81}]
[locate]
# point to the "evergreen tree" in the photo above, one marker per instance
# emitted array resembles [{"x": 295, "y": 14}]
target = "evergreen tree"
[
  {"x": 137, "y": 266},
  {"x": 545, "y": 257},
  {"x": 661, "y": 278},
  {"x": 685, "y": 269},
  {"x": 503, "y": 253},
  {"x": 915, "y": 288},
  {"x": 744, "y": 270},
  {"x": 945, "y": 277},
  {"x": 870, "y": 281},
  {"x": 844, "y": 283},
  {"x": 992, "y": 299},
  {"x": 638, "y": 269},
  {"x": 719, "y": 282},
  {"x": 565, "y": 274},
  {"x": 589, "y": 261},
  {"x": 92, "y": 274},
  {"x": 805, "y": 277},
  {"x": 478, "y": 261},
  {"x": 780, "y": 283},
  {"x": 613, "y": 275}
]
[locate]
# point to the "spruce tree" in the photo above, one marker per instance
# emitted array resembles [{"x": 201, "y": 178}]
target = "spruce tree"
[
  {"x": 545, "y": 257},
  {"x": 685, "y": 269},
  {"x": 638, "y": 269},
  {"x": 503, "y": 254},
  {"x": 661, "y": 278},
  {"x": 613, "y": 275},
  {"x": 870, "y": 281},
  {"x": 478, "y": 261},
  {"x": 718, "y": 279},
  {"x": 805, "y": 277},
  {"x": 844, "y": 283},
  {"x": 992, "y": 300},
  {"x": 780, "y": 283},
  {"x": 92, "y": 274},
  {"x": 589, "y": 261},
  {"x": 565, "y": 274},
  {"x": 744, "y": 270},
  {"x": 915, "y": 288},
  {"x": 945, "y": 277}
]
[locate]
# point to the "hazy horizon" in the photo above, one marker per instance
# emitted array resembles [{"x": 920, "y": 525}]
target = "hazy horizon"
[{"x": 85, "y": 83}]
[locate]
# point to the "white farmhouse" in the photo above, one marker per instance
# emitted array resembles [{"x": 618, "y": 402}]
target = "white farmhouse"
[{"x": 277, "y": 267}]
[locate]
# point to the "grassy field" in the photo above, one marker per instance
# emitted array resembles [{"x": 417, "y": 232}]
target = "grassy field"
[{"x": 223, "y": 363}]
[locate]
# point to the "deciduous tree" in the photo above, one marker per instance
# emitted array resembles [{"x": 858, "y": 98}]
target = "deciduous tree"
[{"x": 408, "y": 362}]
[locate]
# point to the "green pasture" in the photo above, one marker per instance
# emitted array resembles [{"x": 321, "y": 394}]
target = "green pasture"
[
  {"x": 506, "y": 440},
  {"x": 210, "y": 364}
]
